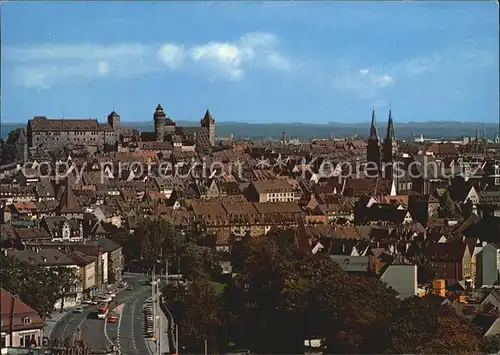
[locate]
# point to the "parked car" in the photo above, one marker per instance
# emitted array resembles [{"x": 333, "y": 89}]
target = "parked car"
[
  {"x": 130, "y": 288},
  {"x": 78, "y": 310},
  {"x": 112, "y": 319},
  {"x": 106, "y": 298},
  {"x": 111, "y": 294}
]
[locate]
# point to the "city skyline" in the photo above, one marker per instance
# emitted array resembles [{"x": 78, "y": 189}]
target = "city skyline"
[{"x": 320, "y": 63}]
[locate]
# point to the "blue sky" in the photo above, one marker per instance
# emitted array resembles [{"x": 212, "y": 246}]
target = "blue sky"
[{"x": 251, "y": 62}]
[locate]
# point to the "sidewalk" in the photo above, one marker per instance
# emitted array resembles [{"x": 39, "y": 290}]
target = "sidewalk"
[{"x": 151, "y": 346}]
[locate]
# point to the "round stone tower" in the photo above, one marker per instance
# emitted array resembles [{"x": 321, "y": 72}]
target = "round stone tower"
[{"x": 159, "y": 121}]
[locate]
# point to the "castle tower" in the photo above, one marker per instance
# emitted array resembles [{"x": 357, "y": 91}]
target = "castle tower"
[
  {"x": 388, "y": 148},
  {"x": 373, "y": 149},
  {"x": 114, "y": 121},
  {"x": 209, "y": 122},
  {"x": 159, "y": 121}
]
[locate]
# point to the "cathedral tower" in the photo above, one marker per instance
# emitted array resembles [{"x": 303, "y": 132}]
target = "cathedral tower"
[
  {"x": 159, "y": 121},
  {"x": 209, "y": 122},
  {"x": 373, "y": 150},
  {"x": 388, "y": 153}
]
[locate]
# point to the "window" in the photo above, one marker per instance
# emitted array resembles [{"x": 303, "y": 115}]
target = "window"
[{"x": 26, "y": 320}]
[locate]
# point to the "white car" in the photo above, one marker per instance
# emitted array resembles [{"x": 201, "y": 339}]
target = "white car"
[
  {"x": 106, "y": 298},
  {"x": 111, "y": 294}
]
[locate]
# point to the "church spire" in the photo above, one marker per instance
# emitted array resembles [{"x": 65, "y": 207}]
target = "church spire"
[
  {"x": 373, "y": 127},
  {"x": 390, "y": 127}
]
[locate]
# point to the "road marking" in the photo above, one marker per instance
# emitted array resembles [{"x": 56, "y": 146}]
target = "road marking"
[
  {"x": 105, "y": 332},
  {"x": 65, "y": 329},
  {"x": 78, "y": 329}
]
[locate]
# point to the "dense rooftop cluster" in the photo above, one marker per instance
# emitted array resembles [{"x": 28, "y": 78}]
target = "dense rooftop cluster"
[{"x": 431, "y": 228}]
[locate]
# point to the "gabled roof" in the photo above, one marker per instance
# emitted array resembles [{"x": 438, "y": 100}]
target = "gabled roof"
[
  {"x": 13, "y": 308},
  {"x": 68, "y": 202}
]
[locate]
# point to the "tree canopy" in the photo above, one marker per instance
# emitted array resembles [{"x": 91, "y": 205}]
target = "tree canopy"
[
  {"x": 38, "y": 287},
  {"x": 279, "y": 299},
  {"x": 156, "y": 241}
]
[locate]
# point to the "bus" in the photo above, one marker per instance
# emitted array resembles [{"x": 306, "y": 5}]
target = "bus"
[{"x": 102, "y": 310}]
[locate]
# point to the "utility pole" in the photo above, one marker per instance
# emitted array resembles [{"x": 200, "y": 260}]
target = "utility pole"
[
  {"x": 178, "y": 270},
  {"x": 166, "y": 270},
  {"x": 153, "y": 299},
  {"x": 159, "y": 343},
  {"x": 177, "y": 339}
]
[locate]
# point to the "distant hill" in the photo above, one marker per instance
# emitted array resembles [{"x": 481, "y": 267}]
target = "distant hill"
[{"x": 445, "y": 129}]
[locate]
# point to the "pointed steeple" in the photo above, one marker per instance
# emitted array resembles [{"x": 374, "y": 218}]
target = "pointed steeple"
[
  {"x": 390, "y": 127},
  {"x": 373, "y": 127},
  {"x": 68, "y": 203},
  {"x": 393, "y": 189},
  {"x": 207, "y": 119},
  {"x": 159, "y": 108}
]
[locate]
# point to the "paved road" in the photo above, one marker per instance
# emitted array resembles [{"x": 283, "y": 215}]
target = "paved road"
[
  {"x": 86, "y": 325},
  {"x": 67, "y": 326},
  {"x": 93, "y": 328},
  {"x": 129, "y": 330}
]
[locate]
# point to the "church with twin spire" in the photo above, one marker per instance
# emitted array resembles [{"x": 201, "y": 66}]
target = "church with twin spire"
[{"x": 381, "y": 154}]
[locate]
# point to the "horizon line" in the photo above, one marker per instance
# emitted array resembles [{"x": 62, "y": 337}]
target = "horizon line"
[{"x": 278, "y": 123}]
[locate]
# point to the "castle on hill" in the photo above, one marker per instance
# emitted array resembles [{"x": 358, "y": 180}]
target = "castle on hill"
[{"x": 53, "y": 132}]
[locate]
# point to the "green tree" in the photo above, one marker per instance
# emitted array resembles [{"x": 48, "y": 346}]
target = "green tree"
[
  {"x": 490, "y": 344},
  {"x": 10, "y": 153},
  {"x": 199, "y": 262},
  {"x": 32, "y": 284},
  {"x": 65, "y": 281},
  {"x": 281, "y": 298},
  {"x": 447, "y": 207},
  {"x": 198, "y": 312}
]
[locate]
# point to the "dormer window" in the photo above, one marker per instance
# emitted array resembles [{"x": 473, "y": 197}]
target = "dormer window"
[{"x": 26, "y": 320}]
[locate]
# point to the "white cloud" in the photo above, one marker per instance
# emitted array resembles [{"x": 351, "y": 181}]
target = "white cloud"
[
  {"x": 365, "y": 82},
  {"x": 225, "y": 58},
  {"x": 231, "y": 59},
  {"x": 43, "y": 66},
  {"x": 278, "y": 61},
  {"x": 75, "y": 51},
  {"x": 382, "y": 81},
  {"x": 364, "y": 72},
  {"x": 171, "y": 55},
  {"x": 417, "y": 66},
  {"x": 103, "y": 68}
]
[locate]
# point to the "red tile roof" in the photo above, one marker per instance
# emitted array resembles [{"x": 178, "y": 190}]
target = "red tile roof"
[{"x": 13, "y": 308}]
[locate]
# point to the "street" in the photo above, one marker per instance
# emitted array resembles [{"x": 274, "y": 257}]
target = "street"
[
  {"x": 67, "y": 327},
  {"x": 129, "y": 329},
  {"x": 86, "y": 326}
]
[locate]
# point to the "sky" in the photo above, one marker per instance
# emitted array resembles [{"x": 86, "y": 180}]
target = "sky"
[{"x": 309, "y": 62}]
